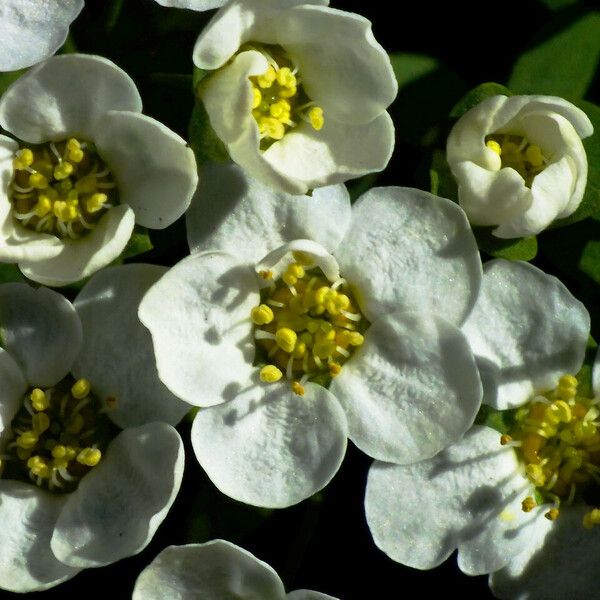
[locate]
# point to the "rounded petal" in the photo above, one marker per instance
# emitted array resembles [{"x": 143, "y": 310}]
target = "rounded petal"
[
  {"x": 198, "y": 5},
  {"x": 526, "y": 330},
  {"x": 117, "y": 355},
  {"x": 269, "y": 447},
  {"x": 411, "y": 389},
  {"x": 212, "y": 571},
  {"x": 596, "y": 374},
  {"x": 31, "y": 31},
  {"x": 336, "y": 153},
  {"x": 81, "y": 258},
  {"x": 154, "y": 168},
  {"x": 13, "y": 388},
  {"x": 199, "y": 318},
  {"x": 41, "y": 330},
  {"x": 467, "y": 497},
  {"x": 405, "y": 250},
  {"x": 308, "y": 595},
  {"x": 343, "y": 68},
  {"x": 65, "y": 96},
  {"x": 120, "y": 503},
  {"x": 28, "y": 516},
  {"x": 234, "y": 213}
]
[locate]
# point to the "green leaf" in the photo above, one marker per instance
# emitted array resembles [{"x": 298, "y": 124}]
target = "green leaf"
[
  {"x": 197, "y": 76},
  {"x": 203, "y": 140},
  {"x": 558, "y": 4},
  {"x": 511, "y": 249},
  {"x": 500, "y": 420},
  {"x": 138, "y": 243},
  {"x": 563, "y": 64},
  {"x": 584, "y": 377},
  {"x": 10, "y": 273},
  {"x": 442, "y": 182},
  {"x": 476, "y": 96},
  {"x": 410, "y": 67},
  {"x": 9, "y": 77}
]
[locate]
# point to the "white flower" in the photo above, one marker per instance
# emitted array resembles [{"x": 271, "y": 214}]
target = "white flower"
[
  {"x": 519, "y": 162},
  {"x": 299, "y": 91},
  {"x": 519, "y": 506},
  {"x": 403, "y": 381},
  {"x": 75, "y": 492},
  {"x": 85, "y": 167},
  {"x": 217, "y": 569}
]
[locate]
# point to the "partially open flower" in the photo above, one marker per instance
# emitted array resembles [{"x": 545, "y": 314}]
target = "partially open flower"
[
  {"x": 85, "y": 166},
  {"x": 298, "y": 92},
  {"x": 309, "y": 322},
  {"x": 87, "y": 473},
  {"x": 519, "y": 162},
  {"x": 217, "y": 569}
]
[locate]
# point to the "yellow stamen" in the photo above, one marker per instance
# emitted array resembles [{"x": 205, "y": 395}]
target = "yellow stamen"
[
  {"x": 89, "y": 457},
  {"x": 270, "y": 374},
  {"x": 39, "y": 400},
  {"x": 81, "y": 388}
]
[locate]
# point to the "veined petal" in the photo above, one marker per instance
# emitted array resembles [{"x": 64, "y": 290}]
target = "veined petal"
[
  {"x": 215, "y": 570},
  {"x": 65, "y": 96},
  {"x": 526, "y": 330},
  {"x": 41, "y": 331},
  {"x": 154, "y": 169},
  {"x": 235, "y": 213},
  {"x": 270, "y": 447},
  {"x": 120, "y": 503}
]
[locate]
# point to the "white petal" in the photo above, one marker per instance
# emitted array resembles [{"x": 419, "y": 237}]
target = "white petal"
[
  {"x": 117, "y": 355},
  {"x": 120, "y": 503},
  {"x": 411, "y": 389},
  {"x": 65, "y": 96},
  {"x": 343, "y": 68},
  {"x": 81, "y": 258},
  {"x": 154, "y": 169},
  {"x": 336, "y": 153},
  {"x": 217, "y": 570},
  {"x": 12, "y": 390},
  {"x": 565, "y": 565},
  {"x": 308, "y": 595},
  {"x": 41, "y": 330},
  {"x": 526, "y": 330},
  {"x": 199, "y": 318},
  {"x": 28, "y": 516},
  {"x": 198, "y": 5},
  {"x": 31, "y": 31},
  {"x": 596, "y": 375},
  {"x": 269, "y": 447},
  {"x": 234, "y": 213},
  {"x": 238, "y": 22},
  {"x": 467, "y": 497},
  {"x": 409, "y": 250}
]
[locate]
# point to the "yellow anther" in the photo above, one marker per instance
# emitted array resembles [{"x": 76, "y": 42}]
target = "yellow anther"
[
  {"x": 334, "y": 369},
  {"x": 297, "y": 270},
  {"x": 299, "y": 350},
  {"x": 324, "y": 349},
  {"x": 39, "y": 400},
  {"x": 27, "y": 440},
  {"x": 342, "y": 301},
  {"x": 38, "y": 466},
  {"x": 271, "y": 127},
  {"x": 256, "y": 97},
  {"x": 528, "y": 504},
  {"x": 81, "y": 388},
  {"x": 86, "y": 185},
  {"x": 285, "y": 78},
  {"x": 89, "y": 457},
  {"x": 356, "y": 339},
  {"x": 534, "y": 155},
  {"x": 59, "y": 451},
  {"x": 298, "y": 388},
  {"x": 40, "y": 422},
  {"x": 280, "y": 110},
  {"x": 536, "y": 475},
  {"x": 289, "y": 279},
  {"x": 288, "y": 92},
  {"x": 266, "y": 275},
  {"x": 261, "y": 315},
  {"x": 38, "y": 181},
  {"x": 494, "y": 147},
  {"x": 286, "y": 339},
  {"x": 321, "y": 294},
  {"x": 505, "y": 439},
  {"x": 568, "y": 381},
  {"x": 270, "y": 374},
  {"x": 95, "y": 202},
  {"x": 267, "y": 79},
  {"x": 43, "y": 206},
  {"x": 315, "y": 116},
  {"x": 74, "y": 151},
  {"x": 592, "y": 518},
  {"x": 562, "y": 411},
  {"x": 63, "y": 170},
  {"x": 23, "y": 159},
  {"x": 552, "y": 514},
  {"x": 59, "y": 209}
]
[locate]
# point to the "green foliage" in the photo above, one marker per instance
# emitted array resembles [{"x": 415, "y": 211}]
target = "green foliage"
[
  {"x": 442, "y": 182},
  {"x": 511, "y": 249},
  {"x": 563, "y": 63},
  {"x": 558, "y": 4},
  {"x": 9, "y": 77},
  {"x": 138, "y": 243},
  {"x": 203, "y": 140},
  {"x": 500, "y": 420},
  {"x": 476, "y": 96},
  {"x": 9, "y": 273}
]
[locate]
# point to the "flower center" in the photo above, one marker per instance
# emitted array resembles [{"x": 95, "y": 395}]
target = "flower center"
[
  {"x": 517, "y": 152},
  {"x": 61, "y": 188},
  {"x": 279, "y": 101},
  {"x": 556, "y": 436},
  {"x": 59, "y": 435},
  {"x": 306, "y": 327}
]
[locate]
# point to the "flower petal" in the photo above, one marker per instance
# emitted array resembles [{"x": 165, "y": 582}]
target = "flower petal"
[
  {"x": 343, "y": 68},
  {"x": 199, "y": 318},
  {"x": 12, "y": 390},
  {"x": 81, "y": 258},
  {"x": 198, "y": 5},
  {"x": 28, "y": 516},
  {"x": 336, "y": 153},
  {"x": 117, "y": 355},
  {"x": 65, "y": 96},
  {"x": 41, "y": 330},
  {"x": 120, "y": 503},
  {"x": 405, "y": 250},
  {"x": 154, "y": 168},
  {"x": 411, "y": 389},
  {"x": 467, "y": 497},
  {"x": 526, "y": 330},
  {"x": 31, "y": 31},
  {"x": 308, "y": 595},
  {"x": 269, "y": 447},
  {"x": 217, "y": 569},
  {"x": 234, "y": 213}
]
